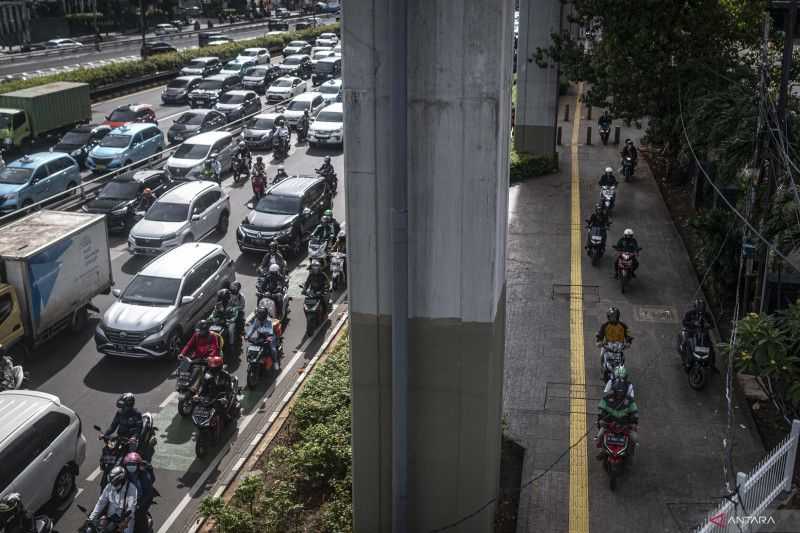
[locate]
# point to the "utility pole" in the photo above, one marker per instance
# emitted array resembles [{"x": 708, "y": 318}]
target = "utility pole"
[{"x": 143, "y": 23}]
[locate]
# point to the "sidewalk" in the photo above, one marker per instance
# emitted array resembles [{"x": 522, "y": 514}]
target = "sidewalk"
[{"x": 677, "y": 474}]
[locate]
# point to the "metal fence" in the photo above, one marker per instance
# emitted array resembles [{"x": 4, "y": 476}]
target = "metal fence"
[{"x": 757, "y": 490}]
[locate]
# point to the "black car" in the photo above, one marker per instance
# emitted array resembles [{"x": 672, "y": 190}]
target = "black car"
[
  {"x": 289, "y": 212},
  {"x": 296, "y": 65},
  {"x": 119, "y": 197},
  {"x": 238, "y": 104},
  {"x": 260, "y": 77},
  {"x": 160, "y": 47},
  {"x": 209, "y": 90},
  {"x": 194, "y": 122},
  {"x": 177, "y": 90},
  {"x": 79, "y": 141}
]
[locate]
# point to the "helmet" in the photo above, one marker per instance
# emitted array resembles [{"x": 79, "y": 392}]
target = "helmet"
[
  {"x": 203, "y": 328},
  {"x": 274, "y": 269},
  {"x": 215, "y": 362},
  {"x": 117, "y": 476},
  {"x": 273, "y": 246},
  {"x": 236, "y": 287},
  {"x": 132, "y": 461},
  {"x": 598, "y": 208},
  {"x": 609, "y": 170},
  {"x": 242, "y": 144},
  {"x": 628, "y": 232},
  {"x": 10, "y": 506},
  {"x": 621, "y": 372},
  {"x": 259, "y": 159},
  {"x": 305, "y": 112},
  {"x": 281, "y": 169},
  {"x": 628, "y": 141},
  {"x": 612, "y": 314},
  {"x": 327, "y": 159},
  {"x": 223, "y": 295},
  {"x": 327, "y": 213},
  {"x": 126, "y": 401},
  {"x": 147, "y": 191},
  {"x": 699, "y": 306},
  {"x": 342, "y": 235},
  {"x": 207, "y": 163},
  {"x": 619, "y": 389},
  {"x": 315, "y": 267},
  {"x": 262, "y": 312}
]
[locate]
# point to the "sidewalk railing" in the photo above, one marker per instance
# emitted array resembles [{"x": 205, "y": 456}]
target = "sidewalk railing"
[{"x": 756, "y": 491}]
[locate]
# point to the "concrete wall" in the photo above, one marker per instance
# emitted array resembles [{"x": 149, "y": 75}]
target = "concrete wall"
[
  {"x": 537, "y": 86},
  {"x": 459, "y": 82}
]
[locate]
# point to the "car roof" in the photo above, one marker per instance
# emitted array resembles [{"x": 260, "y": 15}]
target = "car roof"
[
  {"x": 187, "y": 191},
  {"x": 18, "y": 407},
  {"x": 88, "y": 128},
  {"x": 306, "y": 97},
  {"x": 296, "y": 55},
  {"x": 268, "y": 115},
  {"x": 295, "y": 185},
  {"x": 290, "y": 78},
  {"x": 178, "y": 261},
  {"x": 138, "y": 175},
  {"x": 330, "y": 59},
  {"x": 205, "y": 59},
  {"x": 335, "y": 83},
  {"x": 34, "y": 160},
  {"x": 198, "y": 111},
  {"x": 254, "y": 49},
  {"x": 336, "y": 107},
  {"x": 240, "y": 92},
  {"x": 134, "y": 107},
  {"x": 219, "y": 77},
  {"x": 188, "y": 78},
  {"x": 297, "y": 43},
  {"x": 133, "y": 128},
  {"x": 208, "y": 137}
]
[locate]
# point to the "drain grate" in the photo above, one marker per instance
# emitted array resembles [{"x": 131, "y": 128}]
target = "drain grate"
[{"x": 656, "y": 313}]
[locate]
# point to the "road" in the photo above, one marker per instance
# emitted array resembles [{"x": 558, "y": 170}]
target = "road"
[{"x": 88, "y": 382}]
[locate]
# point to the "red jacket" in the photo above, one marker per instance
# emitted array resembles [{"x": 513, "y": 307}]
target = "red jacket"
[{"x": 202, "y": 347}]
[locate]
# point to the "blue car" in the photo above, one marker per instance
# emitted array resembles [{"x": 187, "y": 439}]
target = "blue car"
[
  {"x": 36, "y": 177},
  {"x": 125, "y": 145}
]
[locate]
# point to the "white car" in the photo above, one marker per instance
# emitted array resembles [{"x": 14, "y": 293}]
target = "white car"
[
  {"x": 62, "y": 43},
  {"x": 321, "y": 53},
  {"x": 311, "y": 102},
  {"x": 331, "y": 91},
  {"x": 338, "y": 48},
  {"x": 326, "y": 43},
  {"x": 261, "y": 55},
  {"x": 187, "y": 162},
  {"x": 237, "y": 67},
  {"x": 162, "y": 29},
  {"x": 328, "y": 127},
  {"x": 285, "y": 88},
  {"x": 185, "y": 213},
  {"x": 330, "y": 36}
]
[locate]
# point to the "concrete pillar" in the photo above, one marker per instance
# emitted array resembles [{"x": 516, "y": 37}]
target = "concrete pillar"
[
  {"x": 537, "y": 81},
  {"x": 458, "y": 112}
]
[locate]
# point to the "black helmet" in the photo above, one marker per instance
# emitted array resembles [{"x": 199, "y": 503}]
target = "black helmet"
[
  {"x": 273, "y": 246},
  {"x": 598, "y": 208},
  {"x": 117, "y": 476},
  {"x": 619, "y": 388},
  {"x": 628, "y": 141},
  {"x": 315, "y": 267},
  {"x": 259, "y": 159},
  {"x": 262, "y": 312},
  {"x": 327, "y": 159},
  {"x": 223, "y": 295},
  {"x": 236, "y": 287},
  {"x": 10, "y": 508},
  {"x": 203, "y": 328},
  {"x": 126, "y": 401},
  {"x": 700, "y": 306},
  {"x": 612, "y": 314}
]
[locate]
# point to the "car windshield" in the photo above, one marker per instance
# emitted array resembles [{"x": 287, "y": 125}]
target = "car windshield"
[
  {"x": 178, "y": 84},
  {"x": 192, "y": 119},
  {"x": 76, "y": 138},
  {"x": 329, "y": 89},
  {"x": 231, "y": 98},
  {"x": 260, "y": 124},
  {"x": 151, "y": 290},
  {"x": 282, "y": 83},
  {"x": 192, "y": 151},
  {"x": 15, "y": 175},
  {"x": 330, "y": 116},
  {"x": 122, "y": 115},
  {"x": 282, "y": 205},
  {"x": 324, "y": 66},
  {"x": 256, "y": 72},
  {"x": 115, "y": 141},
  {"x": 249, "y": 53},
  {"x": 293, "y": 61},
  {"x": 209, "y": 85},
  {"x": 297, "y": 105},
  {"x": 166, "y": 212},
  {"x": 120, "y": 190},
  {"x": 320, "y": 55},
  {"x": 233, "y": 65},
  {"x": 197, "y": 64}
]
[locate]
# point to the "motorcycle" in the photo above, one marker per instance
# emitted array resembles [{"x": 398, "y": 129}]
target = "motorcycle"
[
  {"x": 330, "y": 178},
  {"x": 608, "y": 197},
  {"x": 595, "y": 246},
  {"x": 259, "y": 353},
  {"x": 624, "y": 266},
  {"x": 188, "y": 374},
  {"x": 210, "y": 416},
  {"x": 111, "y": 524},
  {"x": 241, "y": 169},
  {"x": 612, "y": 356},
  {"x": 697, "y": 353},
  {"x": 280, "y": 148},
  {"x": 17, "y": 379},
  {"x": 278, "y": 301},
  {"x": 314, "y": 309},
  {"x": 115, "y": 447},
  {"x": 228, "y": 347},
  {"x": 338, "y": 271},
  {"x": 604, "y": 133},
  {"x": 627, "y": 167},
  {"x": 318, "y": 249},
  {"x": 614, "y": 450}
]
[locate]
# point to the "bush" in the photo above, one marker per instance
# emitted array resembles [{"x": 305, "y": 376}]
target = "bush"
[{"x": 524, "y": 166}]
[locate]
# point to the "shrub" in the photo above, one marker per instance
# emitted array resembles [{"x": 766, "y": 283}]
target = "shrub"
[{"x": 524, "y": 166}]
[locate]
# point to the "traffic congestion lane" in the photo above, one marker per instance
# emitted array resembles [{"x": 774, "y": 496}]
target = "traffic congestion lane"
[{"x": 90, "y": 383}]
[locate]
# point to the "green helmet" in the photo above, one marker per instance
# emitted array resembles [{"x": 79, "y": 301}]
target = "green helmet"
[
  {"x": 620, "y": 372},
  {"x": 327, "y": 213}
]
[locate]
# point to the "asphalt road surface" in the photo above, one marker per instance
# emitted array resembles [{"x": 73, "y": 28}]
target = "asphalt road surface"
[{"x": 71, "y": 368}]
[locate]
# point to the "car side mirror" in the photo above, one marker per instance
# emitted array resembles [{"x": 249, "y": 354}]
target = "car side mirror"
[
  {"x": 195, "y": 217},
  {"x": 214, "y": 155},
  {"x": 116, "y": 292},
  {"x": 187, "y": 300}
]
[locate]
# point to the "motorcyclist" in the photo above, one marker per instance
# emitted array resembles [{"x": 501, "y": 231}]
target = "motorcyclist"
[
  {"x": 280, "y": 175},
  {"x": 273, "y": 256},
  {"x": 604, "y": 121},
  {"x": 217, "y": 382},
  {"x": 607, "y": 179},
  {"x": 599, "y": 218},
  {"x": 237, "y": 302},
  {"x": 341, "y": 242},
  {"x": 618, "y": 407},
  {"x": 203, "y": 344},
  {"x": 613, "y": 330},
  {"x": 282, "y": 132},
  {"x": 13, "y": 516},
  {"x": 259, "y": 180},
  {"x": 627, "y": 243},
  {"x": 244, "y": 152},
  {"x": 629, "y": 150},
  {"x": 261, "y": 324},
  {"x": 118, "y": 498},
  {"x": 302, "y": 126},
  {"x": 318, "y": 282},
  {"x": 7, "y": 378},
  {"x": 259, "y": 167},
  {"x": 696, "y": 321},
  {"x": 211, "y": 171},
  {"x": 127, "y": 420},
  {"x": 328, "y": 228},
  {"x": 327, "y": 167},
  {"x": 274, "y": 280},
  {"x": 227, "y": 316},
  {"x": 147, "y": 200},
  {"x": 620, "y": 376},
  {"x": 141, "y": 474}
]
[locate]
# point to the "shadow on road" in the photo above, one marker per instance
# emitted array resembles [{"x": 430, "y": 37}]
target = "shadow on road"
[{"x": 112, "y": 374}]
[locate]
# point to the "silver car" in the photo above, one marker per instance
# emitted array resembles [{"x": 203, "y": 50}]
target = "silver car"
[
  {"x": 161, "y": 305},
  {"x": 312, "y": 102},
  {"x": 186, "y": 213}
]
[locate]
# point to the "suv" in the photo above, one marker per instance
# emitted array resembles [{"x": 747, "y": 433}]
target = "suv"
[
  {"x": 261, "y": 55},
  {"x": 161, "y": 304},
  {"x": 177, "y": 90},
  {"x": 157, "y": 47},
  {"x": 202, "y": 66},
  {"x": 41, "y": 448},
  {"x": 328, "y": 127},
  {"x": 296, "y": 65},
  {"x": 237, "y": 67},
  {"x": 194, "y": 122},
  {"x": 187, "y": 161},
  {"x": 285, "y": 88},
  {"x": 118, "y": 198},
  {"x": 80, "y": 140},
  {"x": 258, "y": 131},
  {"x": 186, "y": 213},
  {"x": 238, "y": 104},
  {"x": 33, "y": 178},
  {"x": 258, "y": 78},
  {"x": 311, "y": 102},
  {"x": 296, "y": 47},
  {"x": 124, "y": 146},
  {"x": 207, "y": 91},
  {"x": 331, "y": 91},
  {"x": 125, "y": 114},
  {"x": 288, "y": 212}
]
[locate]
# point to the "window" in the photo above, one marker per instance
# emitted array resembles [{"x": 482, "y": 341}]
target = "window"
[
  {"x": 207, "y": 200},
  {"x": 6, "y": 306},
  {"x": 18, "y": 120},
  {"x": 221, "y": 144},
  {"x": 15, "y": 457},
  {"x": 317, "y": 101},
  {"x": 47, "y": 429},
  {"x": 313, "y": 195},
  {"x": 150, "y": 133},
  {"x": 200, "y": 204},
  {"x": 210, "y": 267},
  {"x": 40, "y": 173},
  {"x": 57, "y": 165},
  {"x": 192, "y": 283}
]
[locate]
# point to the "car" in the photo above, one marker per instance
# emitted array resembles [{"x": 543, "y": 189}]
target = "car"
[
  {"x": 178, "y": 89},
  {"x": 288, "y": 213},
  {"x": 284, "y": 88},
  {"x": 311, "y": 102},
  {"x": 128, "y": 113},
  {"x": 321, "y": 53},
  {"x": 258, "y": 131},
  {"x": 187, "y": 161},
  {"x": 237, "y": 67},
  {"x": 331, "y": 91},
  {"x": 296, "y": 65},
  {"x": 118, "y": 198},
  {"x": 296, "y": 47},
  {"x": 158, "y": 47},
  {"x": 260, "y": 55},
  {"x": 194, "y": 122},
  {"x": 327, "y": 68},
  {"x": 329, "y": 36},
  {"x": 80, "y": 140},
  {"x": 124, "y": 146},
  {"x": 36, "y": 177},
  {"x": 185, "y": 213},
  {"x": 328, "y": 127},
  {"x": 157, "y": 311},
  {"x": 41, "y": 448},
  {"x": 202, "y": 66},
  {"x": 338, "y": 48},
  {"x": 209, "y": 90},
  {"x": 328, "y": 43},
  {"x": 62, "y": 43},
  {"x": 220, "y": 40},
  {"x": 258, "y": 78},
  {"x": 163, "y": 29},
  {"x": 238, "y": 104},
  {"x": 282, "y": 13}
]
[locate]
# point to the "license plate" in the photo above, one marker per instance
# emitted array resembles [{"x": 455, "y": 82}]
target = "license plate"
[
  {"x": 123, "y": 347},
  {"x": 100, "y": 167},
  {"x": 260, "y": 242},
  {"x": 323, "y": 136},
  {"x": 615, "y": 439},
  {"x": 201, "y": 411}
]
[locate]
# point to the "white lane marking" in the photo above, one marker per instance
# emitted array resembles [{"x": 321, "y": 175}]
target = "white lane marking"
[
  {"x": 94, "y": 475},
  {"x": 218, "y": 492},
  {"x": 238, "y": 464},
  {"x": 173, "y": 395},
  {"x": 256, "y": 439},
  {"x": 77, "y": 493},
  {"x": 173, "y": 115},
  {"x": 116, "y": 254}
]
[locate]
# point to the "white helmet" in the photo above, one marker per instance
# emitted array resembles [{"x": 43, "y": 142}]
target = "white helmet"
[
  {"x": 274, "y": 269},
  {"x": 609, "y": 170},
  {"x": 628, "y": 232}
]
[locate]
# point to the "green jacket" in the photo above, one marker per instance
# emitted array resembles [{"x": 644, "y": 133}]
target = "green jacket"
[{"x": 627, "y": 412}]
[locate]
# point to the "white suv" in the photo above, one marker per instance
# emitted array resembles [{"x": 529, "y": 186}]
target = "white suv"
[
  {"x": 183, "y": 214},
  {"x": 311, "y": 102},
  {"x": 328, "y": 127}
]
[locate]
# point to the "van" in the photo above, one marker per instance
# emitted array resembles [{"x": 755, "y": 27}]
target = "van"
[{"x": 41, "y": 447}]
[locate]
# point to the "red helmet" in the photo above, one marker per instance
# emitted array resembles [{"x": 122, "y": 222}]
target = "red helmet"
[
  {"x": 214, "y": 362},
  {"x": 132, "y": 457}
]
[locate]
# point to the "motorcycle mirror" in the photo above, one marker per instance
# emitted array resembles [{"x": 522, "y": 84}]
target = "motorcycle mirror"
[
  {"x": 83, "y": 509},
  {"x": 116, "y": 292},
  {"x": 97, "y": 428}
]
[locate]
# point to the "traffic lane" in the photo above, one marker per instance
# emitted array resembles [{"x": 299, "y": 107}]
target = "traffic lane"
[{"x": 104, "y": 378}]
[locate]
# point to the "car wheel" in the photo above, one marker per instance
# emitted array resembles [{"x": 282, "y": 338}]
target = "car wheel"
[
  {"x": 222, "y": 224},
  {"x": 64, "y": 485},
  {"x": 174, "y": 343},
  {"x": 297, "y": 245}
]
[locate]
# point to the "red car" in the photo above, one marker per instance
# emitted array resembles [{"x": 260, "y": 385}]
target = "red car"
[{"x": 128, "y": 113}]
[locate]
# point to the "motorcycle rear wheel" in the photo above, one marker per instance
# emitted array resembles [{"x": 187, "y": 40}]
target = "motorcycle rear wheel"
[
  {"x": 200, "y": 447},
  {"x": 185, "y": 407},
  {"x": 623, "y": 282},
  {"x": 698, "y": 377},
  {"x": 252, "y": 376},
  {"x": 595, "y": 258}
]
